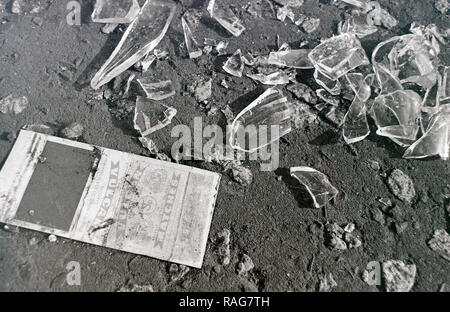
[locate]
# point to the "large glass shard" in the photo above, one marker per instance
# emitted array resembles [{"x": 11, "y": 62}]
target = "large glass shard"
[
  {"x": 338, "y": 55},
  {"x": 388, "y": 81},
  {"x": 188, "y": 21},
  {"x": 410, "y": 57},
  {"x": 317, "y": 185},
  {"x": 435, "y": 140},
  {"x": 156, "y": 90},
  {"x": 225, "y": 16},
  {"x": 297, "y": 58},
  {"x": 264, "y": 121},
  {"x": 358, "y": 26},
  {"x": 234, "y": 65},
  {"x": 356, "y": 127},
  {"x": 115, "y": 12},
  {"x": 275, "y": 78},
  {"x": 141, "y": 37},
  {"x": 396, "y": 115},
  {"x": 151, "y": 116}
]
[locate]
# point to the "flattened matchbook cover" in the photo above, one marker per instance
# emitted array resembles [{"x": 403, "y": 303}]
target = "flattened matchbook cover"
[{"x": 108, "y": 198}]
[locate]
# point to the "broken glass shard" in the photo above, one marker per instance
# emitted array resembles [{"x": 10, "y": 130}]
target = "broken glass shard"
[
  {"x": 234, "y": 65},
  {"x": 151, "y": 116},
  {"x": 264, "y": 121},
  {"x": 188, "y": 22},
  {"x": 338, "y": 55},
  {"x": 431, "y": 100},
  {"x": 396, "y": 115},
  {"x": 291, "y": 58},
  {"x": 275, "y": 78},
  {"x": 116, "y": 12},
  {"x": 444, "y": 89},
  {"x": 157, "y": 90},
  {"x": 284, "y": 12},
  {"x": 291, "y": 3},
  {"x": 310, "y": 24},
  {"x": 332, "y": 86},
  {"x": 435, "y": 140},
  {"x": 317, "y": 185},
  {"x": 219, "y": 10},
  {"x": 359, "y": 3},
  {"x": 141, "y": 37},
  {"x": 357, "y": 25},
  {"x": 410, "y": 57},
  {"x": 356, "y": 127},
  {"x": 13, "y": 105}
]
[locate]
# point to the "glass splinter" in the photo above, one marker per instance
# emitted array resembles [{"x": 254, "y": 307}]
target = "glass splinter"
[
  {"x": 192, "y": 46},
  {"x": 316, "y": 183},
  {"x": 276, "y": 78},
  {"x": 291, "y": 58},
  {"x": 357, "y": 25},
  {"x": 234, "y": 65},
  {"x": 158, "y": 90},
  {"x": 435, "y": 140},
  {"x": 151, "y": 116},
  {"x": 338, "y": 55},
  {"x": 356, "y": 127},
  {"x": 225, "y": 16},
  {"x": 115, "y": 12},
  {"x": 141, "y": 37},
  {"x": 264, "y": 121}
]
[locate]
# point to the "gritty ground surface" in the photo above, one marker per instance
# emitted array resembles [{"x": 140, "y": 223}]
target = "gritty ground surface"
[{"x": 267, "y": 219}]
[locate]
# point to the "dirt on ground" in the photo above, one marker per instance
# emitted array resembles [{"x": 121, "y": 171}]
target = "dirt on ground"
[{"x": 51, "y": 62}]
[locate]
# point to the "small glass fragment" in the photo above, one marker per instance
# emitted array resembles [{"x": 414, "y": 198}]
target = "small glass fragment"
[
  {"x": 219, "y": 10},
  {"x": 316, "y": 183},
  {"x": 151, "y": 116},
  {"x": 310, "y": 24},
  {"x": 188, "y": 21},
  {"x": 291, "y": 3},
  {"x": 285, "y": 11},
  {"x": 297, "y": 58},
  {"x": 201, "y": 89},
  {"x": 275, "y": 78},
  {"x": 141, "y": 37},
  {"x": 234, "y": 65},
  {"x": 357, "y": 25},
  {"x": 356, "y": 127},
  {"x": 264, "y": 121},
  {"x": 435, "y": 141},
  {"x": 379, "y": 16},
  {"x": 396, "y": 115},
  {"x": 338, "y": 55},
  {"x": 13, "y": 105},
  {"x": 157, "y": 90},
  {"x": 359, "y": 3},
  {"x": 115, "y": 12}
]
